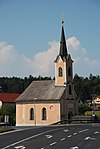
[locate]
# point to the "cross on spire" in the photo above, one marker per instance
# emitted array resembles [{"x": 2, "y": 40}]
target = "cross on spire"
[{"x": 62, "y": 18}]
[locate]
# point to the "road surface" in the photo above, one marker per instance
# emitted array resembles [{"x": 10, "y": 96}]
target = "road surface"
[{"x": 53, "y": 137}]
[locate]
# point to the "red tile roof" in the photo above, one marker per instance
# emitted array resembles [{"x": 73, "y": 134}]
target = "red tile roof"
[
  {"x": 98, "y": 96},
  {"x": 8, "y": 97}
]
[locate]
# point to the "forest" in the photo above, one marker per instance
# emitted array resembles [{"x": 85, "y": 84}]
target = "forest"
[{"x": 84, "y": 86}]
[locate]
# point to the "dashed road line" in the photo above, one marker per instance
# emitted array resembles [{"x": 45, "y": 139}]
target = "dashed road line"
[
  {"x": 83, "y": 130},
  {"x": 69, "y": 136},
  {"x": 75, "y": 147},
  {"x": 74, "y": 133},
  {"x": 53, "y": 143},
  {"x": 89, "y": 138},
  {"x": 96, "y": 132},
  {"x": 62, "y": 139}
]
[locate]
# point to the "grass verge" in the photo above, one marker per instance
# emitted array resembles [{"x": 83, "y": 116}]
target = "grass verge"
[{"x": 5, "y": 128}]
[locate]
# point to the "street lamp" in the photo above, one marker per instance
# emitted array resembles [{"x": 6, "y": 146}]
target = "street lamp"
[
  {"x": 35, "y": 112},
  {"x": 93, "y": 104}
]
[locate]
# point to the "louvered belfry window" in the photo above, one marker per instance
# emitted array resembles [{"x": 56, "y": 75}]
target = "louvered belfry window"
[
  {"x": 60, "y": 72},
  {"x": 69, "y": 71}
]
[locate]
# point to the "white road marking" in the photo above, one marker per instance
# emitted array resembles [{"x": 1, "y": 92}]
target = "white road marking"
[
  {"x": 62, "y": 139},
  {"x": 11, "y": 131},
  {"x": 87, "y": 138},
  {"x": 74, "y": 133},
  {"x": 48, "y": 136},
  {"x": 20, "y": 147},
  {"x": 26, "y": 139},
  {"x": 96, "y": 132},
  {"x": 83, "y": 130},
  {"x": 69, "y": 136},
  {"x": 53, "y": 143},
  {"x": 75, "y": 147},
  {"x": 92, "y": 138},
  {"x": 66, "y": 130}
]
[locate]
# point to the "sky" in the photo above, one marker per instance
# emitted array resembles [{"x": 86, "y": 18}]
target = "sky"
[{"x": 30, "y": 33}]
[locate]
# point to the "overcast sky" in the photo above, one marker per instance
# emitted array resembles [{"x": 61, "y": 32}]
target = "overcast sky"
[{"x": 30, "y": 34}]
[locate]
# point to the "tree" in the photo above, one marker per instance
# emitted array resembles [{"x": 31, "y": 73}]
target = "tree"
[
  {"x": 85, "y": 87},
  {"x": 10, "y": 110}
]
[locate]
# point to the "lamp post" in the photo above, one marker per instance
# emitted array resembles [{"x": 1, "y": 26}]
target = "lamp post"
[
  {"x": 93, "y": 104},
  {"x": 35, "y": 112}
]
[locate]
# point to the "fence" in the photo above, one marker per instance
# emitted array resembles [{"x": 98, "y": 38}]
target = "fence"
[{"x": 80, "y": 120}]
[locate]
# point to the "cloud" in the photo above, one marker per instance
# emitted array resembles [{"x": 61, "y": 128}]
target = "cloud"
[
  {"x": 7, "y": 52},
  {"x": 83, "y": 64},
  {"x": 73, "y": 42},
  {"x": 44, "y": 61},
  {"x": 13, "y": 63}
]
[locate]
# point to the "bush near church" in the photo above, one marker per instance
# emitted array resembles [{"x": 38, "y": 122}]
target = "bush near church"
[{"x": 89, "y": 113}]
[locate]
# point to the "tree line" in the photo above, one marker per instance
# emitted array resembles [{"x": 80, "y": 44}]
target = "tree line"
[
  {"x": 17, "y": 85},
  {"x": 84, "y": 87}
]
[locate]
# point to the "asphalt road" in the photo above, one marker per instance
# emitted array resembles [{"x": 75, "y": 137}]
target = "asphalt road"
[{"x": 53, "y": 137}]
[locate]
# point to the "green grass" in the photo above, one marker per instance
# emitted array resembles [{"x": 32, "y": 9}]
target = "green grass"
[
  {"x": 89, "y": 113},
  {"x": 5, "y": 128}
]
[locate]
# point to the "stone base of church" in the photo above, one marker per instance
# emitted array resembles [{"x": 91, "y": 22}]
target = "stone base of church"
[{"x": 32, "y": 124}]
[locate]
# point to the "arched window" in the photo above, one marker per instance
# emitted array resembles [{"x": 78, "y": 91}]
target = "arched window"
[
  {"x": 70, "y": 90},
  {"x": 60, "y": 72},
  {"x": 69, "y": 71},
  {"x": 44, "y": 116},
  {"x": 31, "y": 114}
]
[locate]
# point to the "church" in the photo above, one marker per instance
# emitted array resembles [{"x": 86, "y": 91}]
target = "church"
[{"x": 49, "y": 101}]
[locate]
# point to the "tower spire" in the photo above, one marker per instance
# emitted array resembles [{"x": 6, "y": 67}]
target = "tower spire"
[{"x": 63, "y": 48}]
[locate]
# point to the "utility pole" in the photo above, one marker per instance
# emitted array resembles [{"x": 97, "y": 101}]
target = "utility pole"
[{"x": 93, "y": 104}]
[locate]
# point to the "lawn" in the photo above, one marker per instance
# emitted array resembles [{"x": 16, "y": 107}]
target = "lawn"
[
  {"x": 5, "y": 128},
  {"x": 89, "y": 113}
]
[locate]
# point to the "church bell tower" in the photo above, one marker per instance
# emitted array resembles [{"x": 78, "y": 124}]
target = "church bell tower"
[{"x": 63, "y": 63}]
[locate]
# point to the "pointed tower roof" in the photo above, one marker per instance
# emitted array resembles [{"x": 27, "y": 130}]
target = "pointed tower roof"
[{"x": 63, "y": 48}]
